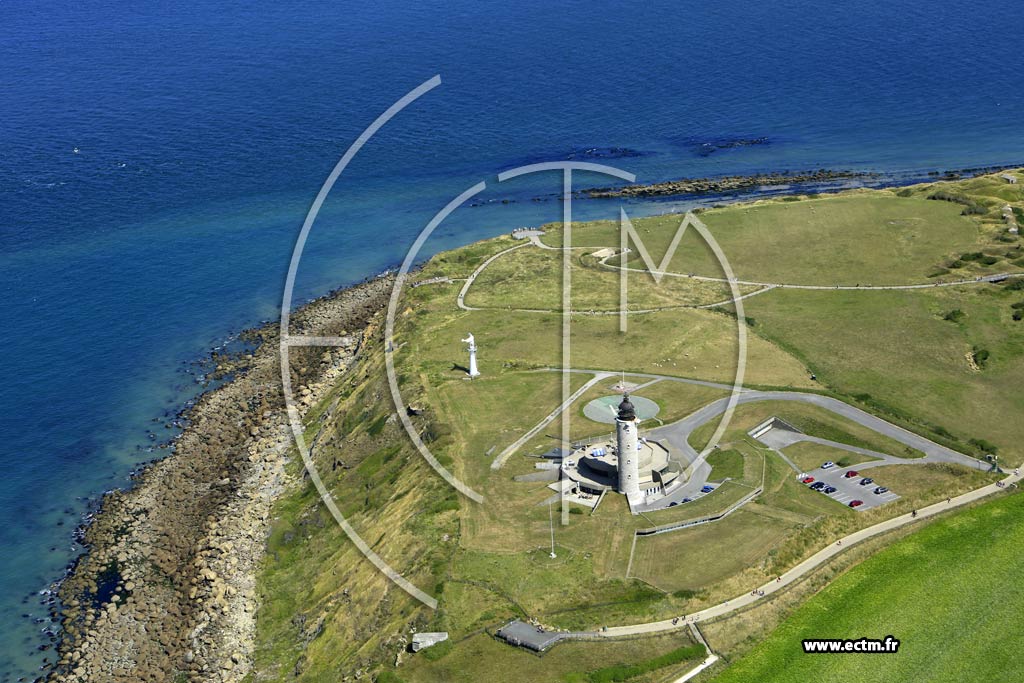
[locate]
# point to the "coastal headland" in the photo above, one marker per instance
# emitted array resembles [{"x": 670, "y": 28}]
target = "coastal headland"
[{"x": 227, "y": 528}]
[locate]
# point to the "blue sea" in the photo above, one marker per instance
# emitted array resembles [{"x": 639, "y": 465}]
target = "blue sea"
[{"x": 157, "y": 160}]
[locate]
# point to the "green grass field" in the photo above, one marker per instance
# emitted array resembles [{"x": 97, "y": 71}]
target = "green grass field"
[
  {"x": 875, "y": 238},
  {"x": 810, "y": 420},
  {"x": 808, "y": 455},
  {"x": 897, "y": 350},
  {"x": 725, "y": 548},
  {"x": 926, "y": 484},
  {"x": 727, "y": 464},
  {"x": 682, "y": 343},
  {"x": 945, "y": 362},
  {"x": 520, "y": 280},
  {"x": 950, "y": 593},
  {"x": 482, "y": 658}
]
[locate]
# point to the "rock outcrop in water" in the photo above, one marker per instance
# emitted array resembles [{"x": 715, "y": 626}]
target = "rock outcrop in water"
[{"x": 686, "y": 186}]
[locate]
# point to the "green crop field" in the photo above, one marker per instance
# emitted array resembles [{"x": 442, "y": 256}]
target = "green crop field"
[{"x": 949, "y": 593}]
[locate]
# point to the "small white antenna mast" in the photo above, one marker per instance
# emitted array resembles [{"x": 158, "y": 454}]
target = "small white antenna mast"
[{"x": 551, "y": 521}]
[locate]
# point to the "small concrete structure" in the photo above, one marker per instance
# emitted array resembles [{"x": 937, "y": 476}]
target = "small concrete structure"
[
  {"x": 522, "y": 634},
  {"x": 557, "y": 453},
  {"x": 440, "y": 280},
  {"x": 1012, "y": 179},
  {"x": 425, "y": 640},
  {"x": 776, "y": 433}
]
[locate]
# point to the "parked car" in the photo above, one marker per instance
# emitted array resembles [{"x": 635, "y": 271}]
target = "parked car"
[
  {"x": 829, "y": 490},
  {"x": 856, "y": 503},
  {"x": 851, "y": 474},
  {"x": 866, "y": 480},
  {"x": 707, "y": 489},
  {"x": 818, "y": 485},
  {"x": 827, "y": 465},
  {"x": 879, "y": 490},
  {"x": 807, "y": 480}
]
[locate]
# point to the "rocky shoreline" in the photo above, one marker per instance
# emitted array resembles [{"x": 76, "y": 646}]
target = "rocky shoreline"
[
  {"x": 167, "y": 588},
  {"x": 690, "y": 186}
]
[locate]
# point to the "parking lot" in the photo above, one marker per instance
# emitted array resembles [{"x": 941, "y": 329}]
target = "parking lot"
[{"x": 849, "y": 488}]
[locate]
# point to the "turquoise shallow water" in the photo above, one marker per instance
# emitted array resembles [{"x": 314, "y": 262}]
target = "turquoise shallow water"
[{"x": 203, "y": 133}]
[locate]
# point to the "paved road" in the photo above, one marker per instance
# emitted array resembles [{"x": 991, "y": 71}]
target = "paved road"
[
  {"x": 678, "y": 433},
  {"x": 779, "y": 442},
  {"x": 934, "y": 452},
  {"x": 849, "y": 489}
]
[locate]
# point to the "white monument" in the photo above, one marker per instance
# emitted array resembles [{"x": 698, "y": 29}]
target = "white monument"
[
  {"x": 473, "y": 372},
  {"x": 627, "y": 442}
]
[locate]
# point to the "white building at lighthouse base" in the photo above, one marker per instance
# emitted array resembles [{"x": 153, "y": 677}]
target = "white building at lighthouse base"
[{"x": 640, "y": 469}]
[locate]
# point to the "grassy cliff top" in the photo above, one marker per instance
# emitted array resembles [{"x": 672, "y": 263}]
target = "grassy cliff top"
[{"x": 904, "y": 354}]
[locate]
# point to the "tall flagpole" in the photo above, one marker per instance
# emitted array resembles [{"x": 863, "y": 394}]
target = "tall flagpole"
[{"x": 551, "y": 521}]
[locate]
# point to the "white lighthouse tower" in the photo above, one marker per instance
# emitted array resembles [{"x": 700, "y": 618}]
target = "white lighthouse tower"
[
  {"x": 627, "y": 438},
  {"x": 473, "y": 372}
]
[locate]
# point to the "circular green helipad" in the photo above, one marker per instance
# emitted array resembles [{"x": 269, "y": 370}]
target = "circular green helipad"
[{"x": 605, "y": 408}]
